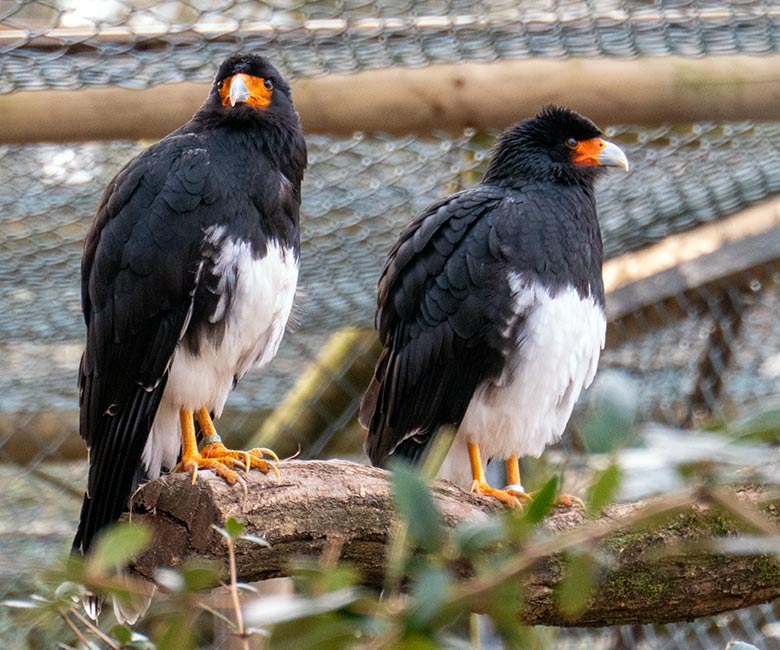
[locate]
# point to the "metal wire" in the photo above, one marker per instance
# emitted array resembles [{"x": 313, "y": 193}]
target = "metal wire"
[{"x": 708, "y": 352}]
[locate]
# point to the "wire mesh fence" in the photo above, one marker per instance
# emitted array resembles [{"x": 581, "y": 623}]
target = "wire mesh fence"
[
  {"x": 710, "y": 350},
  {"x": 67, "y": 44}
]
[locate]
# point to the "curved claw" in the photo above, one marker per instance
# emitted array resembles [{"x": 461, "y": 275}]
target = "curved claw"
[
  {"x": 276, "y": 470},
  {"x": 263, "y": 451},
  {"x": 569, "y": 501},
  {"x": 215, "y": 455},
  {"x": 242, "y": 483},
  {"x": 192, "y": 469},
  {"x": 521, "y": 496}
]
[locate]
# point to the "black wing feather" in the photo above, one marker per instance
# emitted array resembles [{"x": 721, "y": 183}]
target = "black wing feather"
[
  {"x": 433, "y": 322},
  {"x": 138, "y": 276}
]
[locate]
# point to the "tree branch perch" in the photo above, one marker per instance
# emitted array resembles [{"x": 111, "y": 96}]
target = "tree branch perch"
[{"x": 662, "y": 570}]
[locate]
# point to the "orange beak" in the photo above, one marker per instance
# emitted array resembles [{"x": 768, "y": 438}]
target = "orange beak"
[
  {"x": 244, "y": 88},
  {"x": 598, "y": 152}
]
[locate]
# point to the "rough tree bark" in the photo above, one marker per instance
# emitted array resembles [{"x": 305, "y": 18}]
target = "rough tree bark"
[{"x": 661, "y": 570}]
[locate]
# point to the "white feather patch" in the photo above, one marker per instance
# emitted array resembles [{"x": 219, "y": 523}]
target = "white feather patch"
[
  {"x": 260, "y": 306},
  {"x": 528, "y": 408}
]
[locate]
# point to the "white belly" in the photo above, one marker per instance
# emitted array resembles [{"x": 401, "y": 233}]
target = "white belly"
[
  {"x": 556, "y": 358},
  {"x": 261, "y": 304}
]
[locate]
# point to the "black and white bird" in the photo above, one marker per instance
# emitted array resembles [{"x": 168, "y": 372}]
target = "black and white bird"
[
  {"x": 491, "y": 307},
  {"x": 188, "y": 278}
]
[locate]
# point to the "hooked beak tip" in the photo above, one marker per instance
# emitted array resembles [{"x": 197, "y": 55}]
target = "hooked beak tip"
[
  {"x": 238, "y": 91},
  {"x": 612, "y": 156}
]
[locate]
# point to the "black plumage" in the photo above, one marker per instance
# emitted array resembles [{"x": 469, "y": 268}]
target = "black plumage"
[
  {"x": 160, "y": 276},
  {"x": 468, "y": 279}
]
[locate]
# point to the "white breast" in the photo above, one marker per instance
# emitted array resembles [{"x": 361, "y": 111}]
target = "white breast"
[
  {"x": 259, "y": 309},
  {"x": 556, "y": 357}
]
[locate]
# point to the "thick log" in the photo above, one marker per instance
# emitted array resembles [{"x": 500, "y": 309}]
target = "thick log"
[
  {"x": 442, "y": 97},
  {"x": 659, "y": 570}
]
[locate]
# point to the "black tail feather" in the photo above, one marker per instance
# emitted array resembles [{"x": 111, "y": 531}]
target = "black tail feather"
[{"x": 115, "y": 464}]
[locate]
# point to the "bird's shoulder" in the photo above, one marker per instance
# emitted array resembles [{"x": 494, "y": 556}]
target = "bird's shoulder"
[
  {"x": 442, "y": 266},
  {"x": 146, "y": 225},
  {"x": 428, "y": 240}
]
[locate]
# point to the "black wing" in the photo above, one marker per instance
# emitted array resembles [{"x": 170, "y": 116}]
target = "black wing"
[
  {"x": 139, "y": 274},
  {"x": 444, "y": 305}
]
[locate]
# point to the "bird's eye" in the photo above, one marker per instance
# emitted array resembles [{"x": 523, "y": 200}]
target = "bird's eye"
[
  {"x": 269, "y": 85},
  {"x": 571, "y": 143}
]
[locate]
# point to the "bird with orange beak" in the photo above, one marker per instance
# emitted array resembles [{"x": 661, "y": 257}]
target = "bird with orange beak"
[
  {"x": 491, "y": 308},
  {"x": 188, "y": 278}
]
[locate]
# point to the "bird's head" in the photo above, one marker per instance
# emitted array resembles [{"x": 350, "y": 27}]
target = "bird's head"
[
  {"x": 559, "y": 144},
  {"x": 248, "y": 87}
]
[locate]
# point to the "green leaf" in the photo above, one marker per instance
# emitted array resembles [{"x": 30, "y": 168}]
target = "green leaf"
[
  {"x": 20, "y": 604},
  {"x": 503, "y": 606},
  {"x": 256, "y": 539},
  {"x": 178, "y": 632},
  {"x": 763, "y": 426},
  {"x": 140, "y": 642},
  {"x": 576, "y": 588},
  {"x": 428, "y": 595},
  {"x": 474, "y": 538},
  {"x": 198, "y": 576},
  {"x": 437, "y": 451},
  {"x": 543, "y": 502},
  {"x": 415, "y": 505},
  {"x": 311, "y": 577},
  {"x": 233, "y": 528},
  {"x": 417, "y": 641},
  {"x": 328, "y": 631},
  {"x": 122, "y": 634},
  {"x": 603, "y": 490},
  {"x": 117, "y": 546},
  {"x": 270, "y": 611},
  {"x": 69, "y": 590}
]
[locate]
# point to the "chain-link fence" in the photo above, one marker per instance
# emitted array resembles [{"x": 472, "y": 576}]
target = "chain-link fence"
[{"x": 703, "y": 345}]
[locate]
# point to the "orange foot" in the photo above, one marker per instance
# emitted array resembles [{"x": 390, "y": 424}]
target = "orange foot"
[
  {"x": 214, "y": 455},
  {"x": 565, "y": 500},
  {"x": 215, "y": 452},
  {"x": 511, "y": 498}
]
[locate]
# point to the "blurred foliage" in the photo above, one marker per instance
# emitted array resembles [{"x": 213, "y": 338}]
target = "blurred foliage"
[
  {"x": 328, "y": 608},
  {"x": 427, "y": 602}
]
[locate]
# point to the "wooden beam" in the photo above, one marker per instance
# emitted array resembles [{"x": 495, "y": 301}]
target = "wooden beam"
[
  {"x": 730, "y": 261},
  {"x": 689, "y": 245},
  {"x": 679, "y": 263},
  {"x": 447, "y": 97}
]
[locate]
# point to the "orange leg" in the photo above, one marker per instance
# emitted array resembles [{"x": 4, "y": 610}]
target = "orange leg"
[
  {"x": 480, "y": 484},
  {"x": 214, "y": 454},
  {"x": 515, "y": 487},
  {"x": 513, "y": 470}
]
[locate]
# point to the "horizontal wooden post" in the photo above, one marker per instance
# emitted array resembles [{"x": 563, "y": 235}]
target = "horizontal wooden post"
[
  {"x": 446, "y": 97},
  {"x": 714, "y": 252}
]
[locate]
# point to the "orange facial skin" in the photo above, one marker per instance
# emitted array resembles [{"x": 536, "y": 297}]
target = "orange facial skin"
[
  {"x": 587, "y": 152},
  {"x": 259, "y": 95}
]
